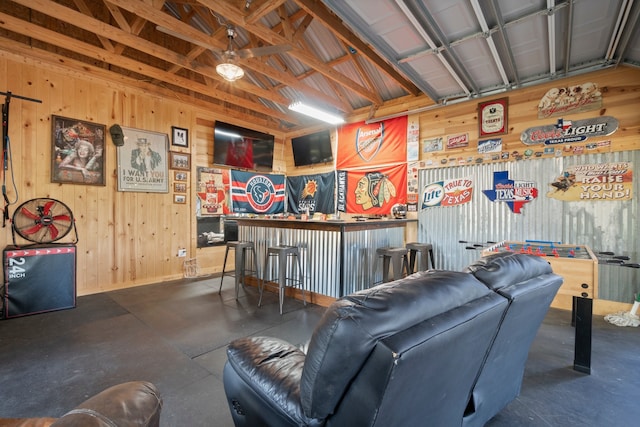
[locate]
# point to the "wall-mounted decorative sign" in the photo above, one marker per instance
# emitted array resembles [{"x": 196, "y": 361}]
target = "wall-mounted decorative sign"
[
  {"x": 514, "y": 193},
  {"x": 559, "y": 101},
  {"x": 492, "y": 117},
  {"x": 142, "y": 162},
  {"x": 594, "y": 182},
  {"x": 76, "y": 151},
  {"x": 569, "y": 132},
  {"x": 449, "y": 192},
  {"x": 458, "y": 141}
]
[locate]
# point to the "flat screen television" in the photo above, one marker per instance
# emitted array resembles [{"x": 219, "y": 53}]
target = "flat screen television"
[
  {"x": 242, "y": 148},
  {"x": 312, "y": 149}
]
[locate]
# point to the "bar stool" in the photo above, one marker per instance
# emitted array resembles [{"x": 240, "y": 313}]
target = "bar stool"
[
  {"x": 397, "y": 257},
  {"x": 283, "y": 253},
  {"x": 423, "y": 249},
  {"x": 240, "y": 247}
]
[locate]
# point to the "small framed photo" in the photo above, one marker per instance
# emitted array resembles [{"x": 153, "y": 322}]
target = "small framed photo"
[
  {"x": 180, "y": 176},
  {"x": 180, "y": 199},
  {"x": 492, "y": 117},
  {"x": 180, "y": 161},
  {"x": 179, "y": 187},
  {"x": 179, "y": 136}
]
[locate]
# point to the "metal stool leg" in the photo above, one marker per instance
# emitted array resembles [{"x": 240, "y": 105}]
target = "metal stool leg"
[
  {"x": 282, "y": 279},
  {"x": 412, "y": 261},
  {"x": 239, "y": 265},
  {"x": 261, "y": 284},
  {"x": 301, "y": 277},
  {"x": 224, "y": 265}
]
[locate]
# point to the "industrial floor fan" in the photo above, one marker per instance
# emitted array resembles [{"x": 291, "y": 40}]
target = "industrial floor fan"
[{"x": 43, "y": 220}]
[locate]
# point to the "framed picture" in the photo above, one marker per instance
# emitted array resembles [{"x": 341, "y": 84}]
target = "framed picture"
[
  {"x": 180, "y": 176},
  {"x": 179, "y": 137},
  {"x": 492, "y": 117},
  {"x": 212, "y": 190},
  {"x": 77, "y": 148},
  {"x": 179, "y": 187},
  {"x": 142, "y": 161},
  {"x": 179, "y": 198},
  {"x": 180, "y": 161}
]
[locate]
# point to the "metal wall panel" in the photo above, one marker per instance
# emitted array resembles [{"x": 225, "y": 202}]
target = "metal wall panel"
[{"x": 601, "y": 225}]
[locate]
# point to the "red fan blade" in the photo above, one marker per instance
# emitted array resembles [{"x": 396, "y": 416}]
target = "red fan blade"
[
  {"x": 54, "y": 231},
  {"x": 61, "y": 218},
  {"x": 28, "y": 214},
  {"x": 33, "y": 229},
  {"x": 47, "y": 207}
]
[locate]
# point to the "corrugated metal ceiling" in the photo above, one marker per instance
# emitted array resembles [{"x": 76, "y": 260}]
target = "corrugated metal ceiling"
[
  {"x": 362, "y": 57},
  {"x": 470, "y": 48}
]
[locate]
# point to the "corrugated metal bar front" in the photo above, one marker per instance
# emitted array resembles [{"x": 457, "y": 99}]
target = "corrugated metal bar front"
[
  {"x": 319, "y": 254},
  {"x": 459, "y": 233},
  {"x": 360, "y": 258},
  {"x": 323, "y": 252}
]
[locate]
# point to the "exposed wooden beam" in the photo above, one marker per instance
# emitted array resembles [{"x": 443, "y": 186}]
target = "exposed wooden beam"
[
  {"x": 238, "y": 18},
  {"x": 21, "y": 27},
  {"x": 259, "y": 12}
]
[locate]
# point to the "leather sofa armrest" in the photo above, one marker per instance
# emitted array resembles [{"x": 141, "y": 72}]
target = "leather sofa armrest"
[
  {"x": 269, "y": 369},
  {"x": 130, "y": 404}
]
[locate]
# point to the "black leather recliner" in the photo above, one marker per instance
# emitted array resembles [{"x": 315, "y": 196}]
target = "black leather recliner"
[
  {"x": 530, "y": 286},
  {"x": 404, "y": 353}
]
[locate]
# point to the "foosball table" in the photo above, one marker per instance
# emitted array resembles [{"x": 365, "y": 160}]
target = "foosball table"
[{"x": 577, "y": 265}]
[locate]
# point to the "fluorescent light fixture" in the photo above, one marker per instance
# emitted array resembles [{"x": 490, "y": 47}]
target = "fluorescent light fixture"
[
  {"x": 230, "y": 71},
  {"x": 316, "y": 113}
]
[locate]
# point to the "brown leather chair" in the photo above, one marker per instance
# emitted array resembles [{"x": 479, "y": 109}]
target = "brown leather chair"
[{"x": 132, "y": 404}]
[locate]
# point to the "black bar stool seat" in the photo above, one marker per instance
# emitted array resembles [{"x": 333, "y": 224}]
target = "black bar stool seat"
[
  {"x": 283, "y": 253},
  {"x": 426, "y": 252},
  {"x": 240, "y": 247},
  {"x": 397, "y": 258}
]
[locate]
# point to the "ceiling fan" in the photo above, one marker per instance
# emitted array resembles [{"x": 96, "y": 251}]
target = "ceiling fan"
[{"x": 228, "y": 67}]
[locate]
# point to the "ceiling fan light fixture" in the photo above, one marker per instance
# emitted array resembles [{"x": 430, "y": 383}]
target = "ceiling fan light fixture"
[
  {"x": 229, "y": 71},
  {"x": 316, "y": 113}
]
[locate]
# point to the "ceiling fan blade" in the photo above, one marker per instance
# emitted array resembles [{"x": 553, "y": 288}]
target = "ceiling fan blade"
[
  {"x": 189, "y": 39},
  {"x": 260, "y": 51}
]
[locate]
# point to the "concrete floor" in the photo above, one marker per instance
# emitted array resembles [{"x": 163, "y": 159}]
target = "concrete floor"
[{"x": 175, "y": 335}]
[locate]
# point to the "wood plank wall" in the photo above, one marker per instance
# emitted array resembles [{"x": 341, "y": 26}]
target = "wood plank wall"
[{"x": 128, "y": 239}]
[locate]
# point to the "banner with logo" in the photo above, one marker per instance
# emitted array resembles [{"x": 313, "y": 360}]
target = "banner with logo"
[
  {"x": 606, "y": 181},
  {"x": 381, "y": 143},
  {"x": 312, "y": 192},
  {"x": 257, "y": 193},
  {"x": 450, "y": 192},
  {"x": 372, "y": 192}
]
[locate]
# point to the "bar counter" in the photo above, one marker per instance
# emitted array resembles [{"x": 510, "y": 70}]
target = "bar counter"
[{"x": 338, "y": 256}]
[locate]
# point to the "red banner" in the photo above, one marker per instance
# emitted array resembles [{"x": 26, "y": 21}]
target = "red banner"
[
  {"x": 374, "y": 192},
  {"x": 381, "y": 143}
]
